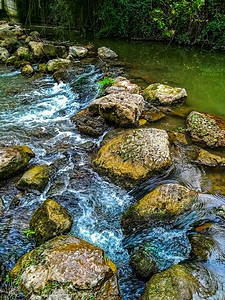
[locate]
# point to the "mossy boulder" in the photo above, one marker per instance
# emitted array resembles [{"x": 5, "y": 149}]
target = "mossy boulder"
[
  {"x": 202, "y": 246},
  {"x": 176, "y": 283},
  {"x": 89, "y": 123},
  {"x": 58, "y": 63},
  {"x": 35, "y": 179},
  {"x": 162, "y": 94},
  {"x": 41, "y": 50},
  {"x": 23, "y": 52},
  {"x": 207, "y": 129},
  {"x": 133, "y": 155},
  {"x": 21, "y": 63},
  {"x": 143, "y": 263},
  {"x": 49, "y": 221},
  {"x": 78, "y": 51},
  {"x": 208, "y": 159},
  {"x": 42, "y": 68},
  {"x": 13, "y": 160},
  {"x": 107, "y": 53},
  {"x": 67, "y": 267},
  {"x": 4, "y": 54},
  {"x": 164, "y": 202},
  {"x": 11, "y": 60},
  {"x": 27, "y": 70},
  {"x": 123, "y": 109}
]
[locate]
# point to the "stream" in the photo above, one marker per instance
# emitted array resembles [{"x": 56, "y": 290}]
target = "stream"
[{"x": 37, "y": 114}]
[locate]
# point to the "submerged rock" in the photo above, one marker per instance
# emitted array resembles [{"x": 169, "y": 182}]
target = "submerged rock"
[
  {"x": 143, "y": 263},
  {"x": 67, "y": 268},
  {"x": 49, "y": 221},
  {"x": 89, "y": 124},
  {"x": 134, "y": 154},
  {"x": 202, "y": 246},
  {"x": 35, "y": 179},
  {"x": 58, "y": 63},
  {"x": 27, "y": 70},
  {"x": 152, "y": 114},
  {"x": 162, "y": 94},
  {"x": 105, "y": 52},
  {"x": 4, "y": 54},
  {"x": 78, "y": 51},
  {"x": 13, "y": 160},
  {"x": 176, "y": 283},
  {"x": 207, "y": 129},
  {"x": 208, "y": 159},
  {"x": 123, "y": 108},
  {"x": 163, "y": 202}
]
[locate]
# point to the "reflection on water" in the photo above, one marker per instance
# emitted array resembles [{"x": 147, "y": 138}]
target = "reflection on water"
[{"x": 38, "y": 115}]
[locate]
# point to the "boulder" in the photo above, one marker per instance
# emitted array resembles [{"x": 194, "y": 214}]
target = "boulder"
[
  {"x": 105, "y": 52},
  {"x": 42, "y": 68},
  {"x": 11, "y": 60},
  {"x": 67, "y": 267},
  {"x": 49, "y": 221},
  {"x": 46, "y": 50},
  {"x": 27, "y": 70},
  {"x": 163, "y": 202},
  {"x": 122, "y": 84},
  {"x": 4, "y": 54},
  {"x": 23, "y": 52},
  {"x": 176, "y": 283},
  {"x": 21, "y": 63},
  {"x": 35, "y": 179},
  {"x": 78, "y": 51},
  {"x": 133, "y": 155},
  {"x": 58, "y": 63},
  {"x": 35, "y": 35},
  {"x": 13, "y": 160},
  {"x": 202, "y": 246},
  {"x": 207, "y": 129},
  {"x": 143, "y": 263},
  {"x": 208, "y": 159},
  {"x": 89, "y": 124},
  {"x": 162, "y": 94},
  {"x": 123, "y": 109}
]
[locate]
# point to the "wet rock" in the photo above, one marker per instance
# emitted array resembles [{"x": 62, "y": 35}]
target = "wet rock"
[
  {"x": 42, "y": 68},
  {"x": 58, "y": 63},
  {"x": 164, "y": 202},
  {"x": 175, "y": 283},
  {"x": 13, "y": 160},
  {"x": 27, "y": 70},
  {"x": 178, "y": 138},
  {"x": 208, "y": 159},
  {"x": 23, "y": 52},
  {"x": 11, "y": 60},
  {"x": 89, "y": 124},
  {"x": 162, "y": 94},
  {"x": 21, "y": 63},
  {"x": 220, "y": 211},
  {"x": 67, "y": 268},
  {"x": 143, "y": 263},
  {"x": 104, "y": 52},
  {"x": 2, "y": 205},
  {"x": 60, "y": 75},
  {"x": 89, "y": 146},
  {"x": 4, "y": 54},
  {"x": 152, "y": 114},
  {"x": 207, "y": 129},
  {"x": 35, "y": 179},
  {"x": 49, "y": 221},
  {"x": 133, "y": 155},
  {"x": 202, "y": 246},
  {"x": 16, "y": 201},
  {"x": 78, "y": 51},
  {"x": 46, "y": 50},
  {"x": 34, "y": 35},
  {"x": 122, "y": 84},
  {"x": 123, "y": 109}
]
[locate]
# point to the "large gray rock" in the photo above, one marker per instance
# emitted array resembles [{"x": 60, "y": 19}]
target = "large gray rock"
[
  {"x": 122, "y": 84},
  {"x": 105, "y": 52},
  {"x": 49, "y": 221},
  {"x": 123, "y": 109},
  {"x": 207, "y": 129},
  {"x": 78, "y": 51},
  {"x": 162, "y": 94},
  {"x": 132, "y": 155},
  {"x": 13, "y": 160},
  {"x": 163, "y": 202},
  {"x": 4, "y": 54},
  {"x": 67, "y": 267},
  {"x": 57, "y": 64}
]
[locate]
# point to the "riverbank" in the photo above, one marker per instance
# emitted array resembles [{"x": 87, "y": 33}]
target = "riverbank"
[{"x": 42, "y": 113}]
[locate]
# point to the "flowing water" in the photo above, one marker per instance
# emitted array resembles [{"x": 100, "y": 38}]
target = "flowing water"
[{"x": 37, "y": 114}]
